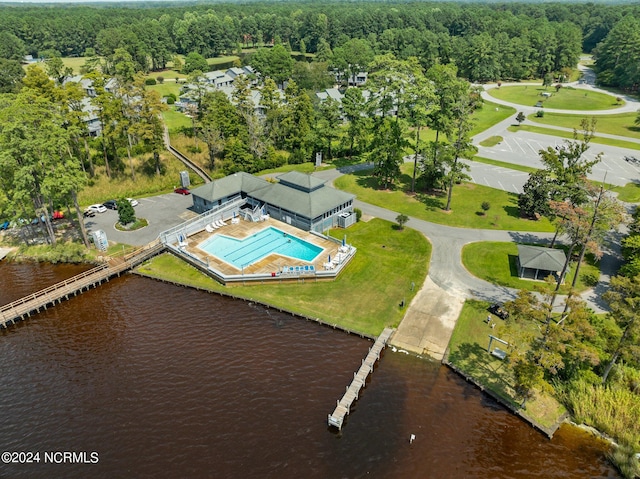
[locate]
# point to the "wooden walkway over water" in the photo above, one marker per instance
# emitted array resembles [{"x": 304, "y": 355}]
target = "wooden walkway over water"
[
  {"x": 359, "y": 379},
  {"x": 33, "y": 303}
]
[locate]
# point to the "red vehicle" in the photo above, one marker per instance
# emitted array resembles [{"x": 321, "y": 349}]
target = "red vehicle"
[
  {"x": 58, "y": 215},
  {"x": 182, "y": 191}
]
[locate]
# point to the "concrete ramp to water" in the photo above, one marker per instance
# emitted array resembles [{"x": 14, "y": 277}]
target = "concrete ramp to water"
[{"x": 428, "y": 325}]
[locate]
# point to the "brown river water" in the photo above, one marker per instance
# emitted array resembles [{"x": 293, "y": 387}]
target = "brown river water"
[{"x": 149, "y": 380}]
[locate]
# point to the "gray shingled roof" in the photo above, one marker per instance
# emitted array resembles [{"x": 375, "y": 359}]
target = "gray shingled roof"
[
  {"x": 309, "y": 205},
  {"x": 538, "y": 257},
  {"x": 301, "y": 180},
  {"x": 230, "y": 185}
]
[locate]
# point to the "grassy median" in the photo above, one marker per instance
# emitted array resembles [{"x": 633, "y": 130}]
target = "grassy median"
[{"x": 567, "y": 98}]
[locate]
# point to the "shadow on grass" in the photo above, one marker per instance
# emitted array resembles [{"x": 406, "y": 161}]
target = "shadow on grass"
[
  {"x": 149, "y": 167},
  {"x": 431, "y": 202},
  {"x": 512, "y": 210},
  {"x": 366, "y": 180},
  {"x": 485, "y": 369},
  {"x": 513, "y": 265}
]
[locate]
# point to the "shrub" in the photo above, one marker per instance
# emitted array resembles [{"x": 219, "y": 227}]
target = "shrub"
[
  {"x": 402, "y": 219},
  {"x": 540, "y": 114},
  {"x": 590, "y": 279},
  {"x": 170, "y": 101},
  {"x": 358, "y": 213},
  {"x": 485, "y": 206},
  {"x": 150, "y": 81},
  {"x": 160, "y": 79}
]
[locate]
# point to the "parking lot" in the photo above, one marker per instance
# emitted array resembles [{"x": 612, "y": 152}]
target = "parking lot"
[
  {"x": 162, "y": 212},
  {"x": 522, "y": 148}
]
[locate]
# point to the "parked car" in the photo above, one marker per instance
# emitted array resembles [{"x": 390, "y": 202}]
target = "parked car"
[
  {"x": 133, "y": 201},
  {"x": 111, "y": 204},
  {"x": 57, "y": 215},
  {"x": 4, "y": 226},
  {"x": 88, "y": 213},
  {"x": 182, "y": 191},
  {"x": 97, "y": 208},
  {"x": 498, "y": 311}
]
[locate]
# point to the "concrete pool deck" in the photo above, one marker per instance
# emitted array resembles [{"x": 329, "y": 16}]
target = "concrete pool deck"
[{"x": 270, "y": 264}]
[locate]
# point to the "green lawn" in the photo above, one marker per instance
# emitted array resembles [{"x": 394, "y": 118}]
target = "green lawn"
[
  {"x": 567, "y": 98},
  {"x": 466, "y": 211},
  {"x": 75, "y": 63},
  {"x": 168, "y": 74},
  {"x": 366, "y": 297},
  {"x": 622, "y": 124},
  {"x": 175, "y": 119},
  {"x": 629, "y": 193},
  {"x": 488, "y": 115},
  {"x": 468, "y": 352},
  {"x": 496, "y": 262},
  {"x": 216, "y": 61},
  {"x": 569, "y": 135},
  {"x": 492, "y": 141},
  {"x": 166, "y": 88},
  {"x": 504, "y": 164}
]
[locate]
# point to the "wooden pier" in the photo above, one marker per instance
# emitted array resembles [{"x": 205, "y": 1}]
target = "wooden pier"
[
  {"x": 33, "y": 303},
  {"x": 343, "y": 407}
]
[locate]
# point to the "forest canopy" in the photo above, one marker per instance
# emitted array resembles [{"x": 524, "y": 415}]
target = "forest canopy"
[{"x": 486, "y": 41}]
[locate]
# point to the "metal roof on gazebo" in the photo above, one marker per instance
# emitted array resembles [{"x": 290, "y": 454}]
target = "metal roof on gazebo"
[{"x": 541, "y": 258}]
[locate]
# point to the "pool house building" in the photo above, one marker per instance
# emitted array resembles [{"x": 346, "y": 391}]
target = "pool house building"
[{"x": 297, "y": 199}]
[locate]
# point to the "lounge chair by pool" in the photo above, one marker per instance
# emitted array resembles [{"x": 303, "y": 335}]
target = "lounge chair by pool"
[{"x": 209, "y": 229}]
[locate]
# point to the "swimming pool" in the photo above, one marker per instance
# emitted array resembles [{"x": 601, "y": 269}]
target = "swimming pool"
[{"x": 244, "y": 252}]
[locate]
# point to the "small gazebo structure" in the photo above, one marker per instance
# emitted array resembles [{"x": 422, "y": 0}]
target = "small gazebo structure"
[{"x": 539, "y": 262}]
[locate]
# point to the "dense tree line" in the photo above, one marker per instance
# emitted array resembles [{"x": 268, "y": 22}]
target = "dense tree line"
[
  {"x": 618, "y": 56},
  {"x": 47, "y": 154},
  {"x": 487, "y": 42}
]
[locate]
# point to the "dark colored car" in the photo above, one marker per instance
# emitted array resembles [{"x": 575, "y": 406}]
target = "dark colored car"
[
  {"x": 182, "y": 191},
  {"x": 498, "y": 311},
  {"x": 111, "y": 204}
]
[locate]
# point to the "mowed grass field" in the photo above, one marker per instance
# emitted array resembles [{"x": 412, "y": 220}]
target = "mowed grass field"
[
  {"x": 466, "y": 211},
  {"x": 497, "y": 263},
  {"x": 622, "y": 124},
  {"x": 165, "y": 88},
  {"x": 74, "y": 62},
  {"x": 365, "y": 297},
  {"x": 567, "y": 98}
]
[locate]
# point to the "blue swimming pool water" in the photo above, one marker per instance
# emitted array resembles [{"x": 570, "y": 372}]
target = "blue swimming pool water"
[{"x": 244, "y": 252}]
